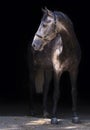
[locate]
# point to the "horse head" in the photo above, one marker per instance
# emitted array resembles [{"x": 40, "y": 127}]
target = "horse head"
[{"x": 46, "y": 32}]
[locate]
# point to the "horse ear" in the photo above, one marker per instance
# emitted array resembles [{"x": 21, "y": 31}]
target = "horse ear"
[
  {"x": 43, "y": 10},
  {"x": 49, "y": 12}
]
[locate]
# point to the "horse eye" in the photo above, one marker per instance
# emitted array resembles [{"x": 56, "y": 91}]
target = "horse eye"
[{"x": 44, "y": 25}]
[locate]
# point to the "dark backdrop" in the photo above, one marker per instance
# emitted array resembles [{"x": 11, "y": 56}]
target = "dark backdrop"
[{"x": 20, "y": 21}]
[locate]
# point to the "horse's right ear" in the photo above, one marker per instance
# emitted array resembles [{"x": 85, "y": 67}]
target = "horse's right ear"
[{"x": 43, "y": 10}]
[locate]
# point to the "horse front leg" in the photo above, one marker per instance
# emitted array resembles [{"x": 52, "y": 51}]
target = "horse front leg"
[
  {"x": 31, "y": 96},
  {"x": 47, "y": 78},
  {"x": 31, "y": 80},
  {"x": 73, "y": 77},
  {"x": 55, "y": 98}
]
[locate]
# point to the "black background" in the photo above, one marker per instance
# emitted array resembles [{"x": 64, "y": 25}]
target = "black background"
[{"x": 19, "y": 22}]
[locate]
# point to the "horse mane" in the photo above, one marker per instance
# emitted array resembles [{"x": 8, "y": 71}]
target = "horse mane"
[{"x": 62, "y": 17}]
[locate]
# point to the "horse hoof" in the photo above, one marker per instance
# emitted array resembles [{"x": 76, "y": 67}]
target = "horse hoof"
[
  {"x": 54, "y": 120},
  {"x": 76, "y": 120},
  {"x": 46, "y": 114}
]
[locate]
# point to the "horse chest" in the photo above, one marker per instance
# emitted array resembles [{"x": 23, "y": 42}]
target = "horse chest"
[
  {"x": 43, "y": 59},
  {"x": 55, "y": 60}
]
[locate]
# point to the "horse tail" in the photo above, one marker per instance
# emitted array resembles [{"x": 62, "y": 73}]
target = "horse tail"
[{"x": 39, "y": 81}]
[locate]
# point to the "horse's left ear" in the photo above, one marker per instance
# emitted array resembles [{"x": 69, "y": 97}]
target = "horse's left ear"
[{"x": 50, "y": 13}]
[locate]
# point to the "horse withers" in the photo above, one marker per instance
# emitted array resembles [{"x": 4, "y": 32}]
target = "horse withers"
[{"x": 56, "y": 50}]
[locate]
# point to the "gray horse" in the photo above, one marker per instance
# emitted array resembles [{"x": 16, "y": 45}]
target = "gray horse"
[{"x": 56, "y": 50}]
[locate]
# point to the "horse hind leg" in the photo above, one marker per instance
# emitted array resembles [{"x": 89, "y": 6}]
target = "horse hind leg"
[{"x": 73, "y": 77}]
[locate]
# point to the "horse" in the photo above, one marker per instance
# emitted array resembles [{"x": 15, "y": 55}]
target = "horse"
[{"x": 55, "y": 49}]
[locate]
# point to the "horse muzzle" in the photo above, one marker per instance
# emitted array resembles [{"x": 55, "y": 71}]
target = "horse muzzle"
[{"x": 37, "y": 44}]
